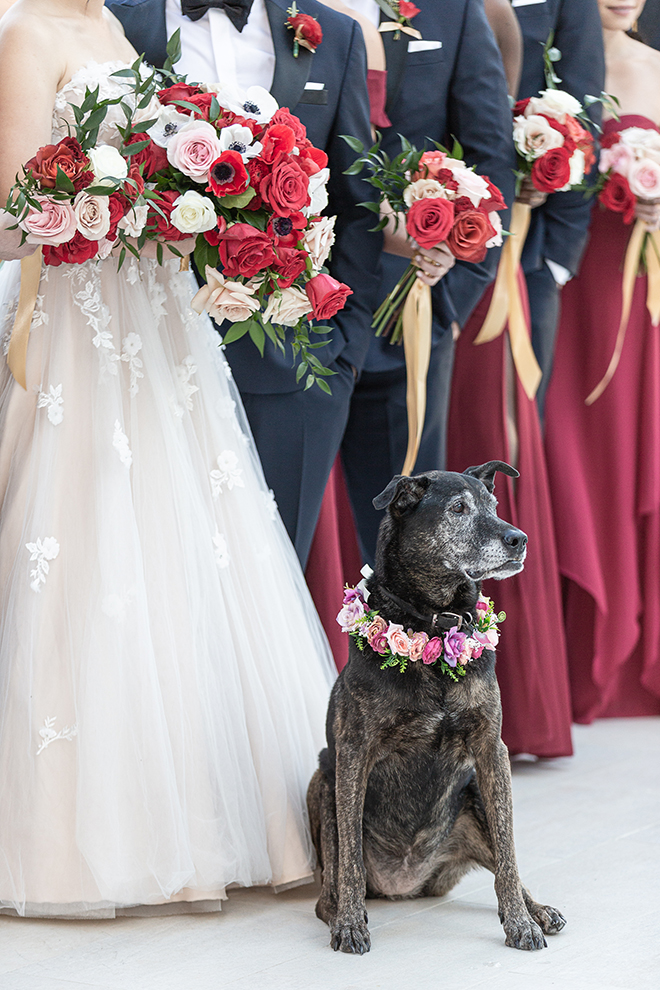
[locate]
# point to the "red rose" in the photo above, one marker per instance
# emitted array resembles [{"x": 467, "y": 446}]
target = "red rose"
[
  {"x": 152, "y": 157},
  {"x": 228, "y": 175},
  {"x": 213, "y": 236},
  {"x": 496, "y": 201},
  {"x": 312, "y": 159},
  {"x": 286, "y": 189},
  {"x": 429, "y": 221},
  {"x": 617, "y": 196},
  {"x": 258, "y": 169},
  {"x": 467, "y": 238},
  {"x": 569, "y": 143},
  {"x": 161, "y": 225},
  {"x": 202, "y": 102},
  {"x": 461, "y": 204},
  {"x": 244, "y": 250},
  {"x": 289, "y": 265},
  {"x": 132, "y": 192},
  {"x": 307, "y": 30},
  {"x": 73, "y": 252},
  {"x": 326, "y": 295},
  {"x": 69, "y": 157},
  {"x": 179, "y": 91},
  {"x": 286, "y": 231},
  {"x": 284, "y": 116},
  {"x": 119, "y": 207},
  {"x": 408, "y": 10},
  {"x": 520, "y": 107},
  {"x": 552, "y": 170},
  {"x": 607, "y": 140},
  {"x": 278, "y": 140}
]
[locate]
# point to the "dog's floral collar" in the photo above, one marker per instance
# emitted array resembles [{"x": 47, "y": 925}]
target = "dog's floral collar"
[{"x": 453, "y": 650}]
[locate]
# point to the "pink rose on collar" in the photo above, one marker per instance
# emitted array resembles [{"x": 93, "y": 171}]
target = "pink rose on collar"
[
  {"x": 418, "y": 641},
  {"x": 454, "y": 645},
  {"x": 432, "y": 650},
  {"x": 397, "y": 639},
  {"x": 376, "y": 634}
]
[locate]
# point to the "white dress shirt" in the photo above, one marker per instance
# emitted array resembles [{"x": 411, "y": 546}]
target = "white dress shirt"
[
  {"x": 368, "y": 8},
  {"x": 212, "y": 50}
]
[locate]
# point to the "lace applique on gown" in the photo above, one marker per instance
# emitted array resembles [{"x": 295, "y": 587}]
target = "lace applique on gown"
[{"x": 163, "y": 675}]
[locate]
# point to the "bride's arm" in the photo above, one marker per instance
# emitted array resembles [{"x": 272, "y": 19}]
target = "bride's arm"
[{"x": 29, "y": 75}]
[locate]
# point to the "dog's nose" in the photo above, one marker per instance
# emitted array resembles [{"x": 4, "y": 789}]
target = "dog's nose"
[{"x": 515, "y": 538}]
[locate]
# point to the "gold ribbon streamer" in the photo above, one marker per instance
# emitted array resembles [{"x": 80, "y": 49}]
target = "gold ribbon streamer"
[
  {"x": 395, "y": 26},
  {"x": 184, "y": 264},
  {"x": 506, "y": 304},
  {"x": 637, "y": 246},
  {"x": 417, "y": 349},
  {"x": 20, "y": 334}
]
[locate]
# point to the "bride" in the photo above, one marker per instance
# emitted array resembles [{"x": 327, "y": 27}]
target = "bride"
[{"x": 163, "y": 676}]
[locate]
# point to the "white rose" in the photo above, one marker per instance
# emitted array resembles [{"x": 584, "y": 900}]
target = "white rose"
[
  {"x": 105, "y": 247},
  {"x": 287, "y": 307},
  {"x": 318, "y": 193},
  {"x": 92, "y": 216},
  {"x": 495, "y": 221},
  {"x": 644, "y": 179},
  {"x": 318, "y": 240},
  {"x": 555, "y": 102},
  {"x": 423, "y": 189},
  {"x": 577, "y": 163},
  {"x": 134, "y": 221},
  {"x": 107, "y": 163},
  {"x": 534, "y": 135},
  {"x": 472, "y": 185},
  {"x": 225, "y": 300},
  {"x": 170, "y": 121},
  {"x": 193, "y": 213}
]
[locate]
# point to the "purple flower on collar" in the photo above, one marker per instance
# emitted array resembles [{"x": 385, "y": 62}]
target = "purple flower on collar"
[{"x": 454, "y": 645}]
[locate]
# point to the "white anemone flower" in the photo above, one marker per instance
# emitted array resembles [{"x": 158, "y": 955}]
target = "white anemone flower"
[
  {"x": 239, "y": 138},
  {"x": 256, "y": 102},
  {"x": 169, "y": 123}
]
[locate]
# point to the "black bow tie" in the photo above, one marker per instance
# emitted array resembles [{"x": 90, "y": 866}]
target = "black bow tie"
[{"x": 237, "y": 11}]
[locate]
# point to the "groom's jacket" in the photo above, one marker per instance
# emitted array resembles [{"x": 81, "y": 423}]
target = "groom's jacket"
[
  {"x": 338, "y": 104},
  {"x": 558, "y": 229}
]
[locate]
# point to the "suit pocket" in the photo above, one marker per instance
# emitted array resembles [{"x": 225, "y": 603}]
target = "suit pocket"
[{"x": 432, "y": 56}]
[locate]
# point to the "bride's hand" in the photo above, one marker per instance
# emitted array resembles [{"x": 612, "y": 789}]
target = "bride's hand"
[{"x": 649, "y": 212}]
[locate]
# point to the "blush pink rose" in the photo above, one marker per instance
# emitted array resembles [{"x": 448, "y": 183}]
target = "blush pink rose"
[
  {"x": 432, "y": 650},
  {"x": 194, "y": 149},
  {"x": 376, "y": 634},
  {"x": 644, "y": 179},
  {"x": 397, "y": 639},
  {"x": 56, "y": 224},
  {"x": 418, "y": 641},
  {"x": 619, "y": 158}
]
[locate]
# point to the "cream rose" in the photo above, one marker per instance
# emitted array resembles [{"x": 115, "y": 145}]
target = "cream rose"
[
  {"x": 576, "y": 162},
  {"x": 194, "y": 149},
  {"x": 496, "y": 223},
  {"x": 423, "y": 189},
  {"x": 92, "y": 215},
  {"x": 644, "y": 179},
  {"x": 288, "y": 307},
  {"x": 107, "y": 164},
  {"x": 134, "y": 221},
  {"x": 556, "y": 103},
  {"x": 193, "y": 213},
  {"x": 319, "y": 239},
  {"x": 317, "y": 192},
  {"x": 225, "y": 300},
  {"x": 534, "y": 135},
  {"x": 472, "y": 185}
]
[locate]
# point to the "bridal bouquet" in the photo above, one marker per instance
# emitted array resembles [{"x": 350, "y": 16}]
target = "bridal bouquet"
[
  {"x": 552, "y": 146},
  {"x": 441, "y": 201}
]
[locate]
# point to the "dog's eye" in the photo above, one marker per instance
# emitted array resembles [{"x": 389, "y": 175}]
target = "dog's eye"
[{"x": 458, "y": 507}]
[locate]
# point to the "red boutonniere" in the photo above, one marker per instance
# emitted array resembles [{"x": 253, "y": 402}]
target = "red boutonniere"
[
  {"x": 407, "y": 10},
  {"x": 307, "y": 30}
]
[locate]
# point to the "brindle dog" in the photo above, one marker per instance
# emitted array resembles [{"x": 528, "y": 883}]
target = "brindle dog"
[{"x": 414, "y": 788}]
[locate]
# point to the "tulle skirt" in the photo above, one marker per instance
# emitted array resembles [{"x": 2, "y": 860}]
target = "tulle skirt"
[{"x": 163, "y": 675}]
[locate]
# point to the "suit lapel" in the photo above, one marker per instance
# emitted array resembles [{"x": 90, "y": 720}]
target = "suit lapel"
[{"x": 291, "y": 73}]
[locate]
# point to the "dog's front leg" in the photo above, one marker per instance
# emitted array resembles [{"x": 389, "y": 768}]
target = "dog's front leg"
[
  {"x": 348, "y": 930},
  {"x": 494, "y": 779}
]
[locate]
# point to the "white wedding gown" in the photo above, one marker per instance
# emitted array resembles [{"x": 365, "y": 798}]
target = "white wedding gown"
[{"x": 163, "y": 675}]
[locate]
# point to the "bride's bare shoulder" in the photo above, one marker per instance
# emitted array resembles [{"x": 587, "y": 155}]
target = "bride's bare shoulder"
[{"x": 26, "y": 35}]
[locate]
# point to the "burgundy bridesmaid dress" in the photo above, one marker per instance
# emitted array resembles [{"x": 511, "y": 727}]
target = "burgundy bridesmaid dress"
[
  {"x": 531, "y": 656},
  {"x": 604, "y": 468}
]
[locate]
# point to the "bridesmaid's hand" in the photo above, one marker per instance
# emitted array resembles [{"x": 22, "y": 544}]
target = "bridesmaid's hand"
[
  {"x": 648, "y": 211},
  {"x": 433, "y": 263},
  {"x": 529, "y": 194}
]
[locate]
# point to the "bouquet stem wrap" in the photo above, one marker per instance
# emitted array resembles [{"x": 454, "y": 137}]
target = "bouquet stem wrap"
[
  {"x": 643, "y": 245},
  {"x": 506, "y": 304},
  {"x": 20, "y": 334},
  {"x": 417, "y": 348}
]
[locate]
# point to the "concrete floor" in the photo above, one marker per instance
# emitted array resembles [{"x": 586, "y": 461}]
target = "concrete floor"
[{"x": 588, "y": 842}]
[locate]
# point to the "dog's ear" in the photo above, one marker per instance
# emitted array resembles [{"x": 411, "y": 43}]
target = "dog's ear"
[
  {"x": 402, "y": 494},
  {"x": 486, "y": 473}
]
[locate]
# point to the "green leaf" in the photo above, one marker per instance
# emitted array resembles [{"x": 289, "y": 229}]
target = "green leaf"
[
  {"x": 159, "y": 252},
  {"x": 63, "y": 182},
  {"x": 205, "y": 254},
  {"x": 300, "y": 370},
  {"x": 173, "y": 51},
  {"x": 257, "y": 335},
  {"x": 236, "y": 331},
  {"x": 236, "y": 202},
  {"x": 355, "y": 168},
  {"x": 457, "y": 149},
  {"x": 353, "y": 143},
  {"x": 214, "y": 109},
  {"x": 323, "y": 385}
]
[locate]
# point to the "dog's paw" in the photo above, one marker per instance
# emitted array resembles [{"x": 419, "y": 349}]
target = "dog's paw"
[
  {"x": 548, "y": 918},
  {"x": 523, "y": 933},
  {"x": 350, "y": 937}
]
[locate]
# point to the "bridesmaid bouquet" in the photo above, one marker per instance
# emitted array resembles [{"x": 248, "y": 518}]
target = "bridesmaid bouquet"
[
  {"x": 630, "y": 170},
  {"x": 552, "y": 146},
  {"x": 442, "y": 201}
]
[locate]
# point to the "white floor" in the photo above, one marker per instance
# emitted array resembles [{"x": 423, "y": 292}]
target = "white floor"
[{"x": 588, "y": 841}]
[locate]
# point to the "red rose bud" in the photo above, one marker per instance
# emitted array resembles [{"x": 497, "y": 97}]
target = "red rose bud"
[
  {"x": 520, "y": 107},
  {"x": 552, "y": 170},
  {"x": 429, "y": 221},
  {"x": 289, "y": 265},
  {"x": 213, "y": 236},
  {"x": 326, "y": 295},
  {"x": 228, "y": 175},
  {"x": 244, "y": 250},
  {"x": 461, "y": 204},
  {"x": 119, "y": 207},
  {"x": 68, "y": 156},
  {"x": 307, "y": 30},
  {"x": 467, "y": 238},
  {"x": 616, "y": 195},
  {"x": 278, "y": 141},
  {"x": 73, "y": 252},
  {"x": 408, "y": 10}
]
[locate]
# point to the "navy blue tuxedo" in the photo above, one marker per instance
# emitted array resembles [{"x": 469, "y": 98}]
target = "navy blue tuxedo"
[
  {"x": 558, "y": 229},
  {"x": 457, "y": 89},
  {"x": 298, "y": 433}
]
